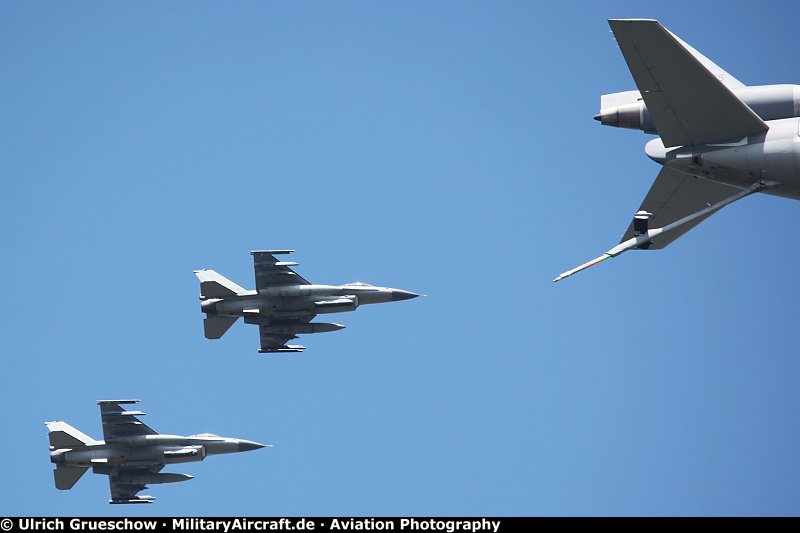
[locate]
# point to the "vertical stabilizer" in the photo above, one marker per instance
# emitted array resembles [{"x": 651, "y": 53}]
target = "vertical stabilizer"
[
  {"x": 215, "y": 285},
  {"x": 215, "y": 327},
  {"x": 67, "y": 476},
  {"x": 62, "y": 435}
]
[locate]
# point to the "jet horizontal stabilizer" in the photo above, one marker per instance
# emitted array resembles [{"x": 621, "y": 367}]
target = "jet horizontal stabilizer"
[{"x": 688, "y": 103}]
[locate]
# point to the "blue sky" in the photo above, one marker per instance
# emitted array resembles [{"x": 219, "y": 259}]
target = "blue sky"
[{"x": 446, "y": 148}]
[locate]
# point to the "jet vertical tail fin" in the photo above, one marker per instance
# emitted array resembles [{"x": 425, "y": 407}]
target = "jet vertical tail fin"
[
  {"x": 67, "y": 476},
  {"x": 62, "y": 435},
  {"x": 215, "y": 327},
  {"x": 215, "y": 285}
]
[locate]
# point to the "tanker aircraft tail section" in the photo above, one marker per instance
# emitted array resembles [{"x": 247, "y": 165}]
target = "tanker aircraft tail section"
[
  {"x": 720, "y": 141},
  {"x": 688, "y": 103}
]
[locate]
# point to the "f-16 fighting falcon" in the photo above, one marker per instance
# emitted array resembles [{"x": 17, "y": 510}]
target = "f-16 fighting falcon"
[
  {"x": 283, "y": 303},
  {"x": 719, "y": 140},
  {"x": 131, "y": 454}
]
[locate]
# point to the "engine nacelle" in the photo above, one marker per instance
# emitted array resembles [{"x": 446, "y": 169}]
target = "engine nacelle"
[
  {"x": 187, "y": 454},
  {"x": 770, "y": 102}
]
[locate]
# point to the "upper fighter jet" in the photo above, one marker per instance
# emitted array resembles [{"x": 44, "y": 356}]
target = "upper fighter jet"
[
  {"x": 719, "y": 140},
  {"x": 131, "y": 454},
  {"x": 283, "y": 303}
]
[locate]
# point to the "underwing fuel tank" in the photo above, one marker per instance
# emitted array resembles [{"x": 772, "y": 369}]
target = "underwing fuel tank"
[
  {"x": 153, "y": 479},
  {"x": 300, "y": 329}
]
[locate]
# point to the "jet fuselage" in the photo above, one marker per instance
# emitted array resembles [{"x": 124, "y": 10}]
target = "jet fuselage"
[
  {"x": 291, "y": 300},
  {"x": 772, "y": 156},
  {"x": 148, "y": 450}
]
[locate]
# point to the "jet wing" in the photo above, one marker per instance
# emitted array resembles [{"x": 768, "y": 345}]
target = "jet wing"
[
  {"x": 119, "y": 423},
  {"x": 674, "y": 196},
  {"x": 276, "y": 342},
  {"x": 126, "y": 492},
  {"x": 687, "y": 102},
  {"x": 273, "y": 273}
]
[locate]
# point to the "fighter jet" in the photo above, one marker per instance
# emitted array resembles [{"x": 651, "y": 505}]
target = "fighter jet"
[
  {"x": 719, "y": 140},
  {"x": 131, "y": 454},
  {"x": 283, "y": 303}
]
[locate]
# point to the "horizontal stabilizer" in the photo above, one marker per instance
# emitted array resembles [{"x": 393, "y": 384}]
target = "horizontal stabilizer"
[
  {"x": 67, "y": 476},
  {"x": 688, "y": 103},
  {"x": 619, "y": 99},
  {"x": 62, "y": 435},
  {"x": 215, "y": 285},
  {"x": 215, "y": 327}
]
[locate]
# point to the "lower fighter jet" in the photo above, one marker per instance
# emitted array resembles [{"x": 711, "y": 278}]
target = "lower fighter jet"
[
  {"x": 283, "y": 303},
  {"x": 131, "y": 454},
  {"x": 719, "y": 140}
]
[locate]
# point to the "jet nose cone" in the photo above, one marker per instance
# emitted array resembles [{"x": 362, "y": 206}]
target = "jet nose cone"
[
  {"x": 399, "y": 294},
  {"x": 598, "y": 117},
  {"x": 247, "y": 445}
]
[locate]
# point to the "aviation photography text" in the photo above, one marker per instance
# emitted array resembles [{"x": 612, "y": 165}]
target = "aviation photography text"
[{"x": 225, "y": 525}]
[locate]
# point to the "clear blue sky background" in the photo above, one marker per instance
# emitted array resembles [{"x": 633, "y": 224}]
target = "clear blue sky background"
[{"x": 446, "y": 148}]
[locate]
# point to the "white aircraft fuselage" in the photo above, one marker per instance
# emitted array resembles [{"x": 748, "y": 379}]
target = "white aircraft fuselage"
[{"x": 773, "y": 155}]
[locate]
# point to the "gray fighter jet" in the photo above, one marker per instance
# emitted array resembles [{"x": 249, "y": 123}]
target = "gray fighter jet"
[
  {"x": 719, "y": 139},
  {"x": 283, "y": 303},
  {"x": 131, "y": 454}
]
